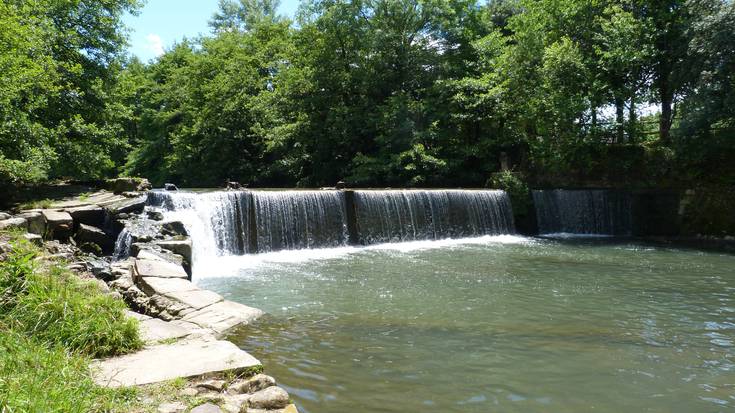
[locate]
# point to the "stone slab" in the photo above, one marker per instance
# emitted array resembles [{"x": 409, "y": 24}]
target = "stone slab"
[
  {"x": 196, "y": 299},
  {"x": 167, "y": 362},
  {"x": 223, "y": 316},
  {"x": 164, "y": 286},
  {"x": 160, "y": 269},
  {"x": 14, "y": 223},
  {"x": 154, "y": 330}
]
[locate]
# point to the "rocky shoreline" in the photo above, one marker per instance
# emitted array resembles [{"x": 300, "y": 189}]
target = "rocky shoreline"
[{"x": 137, "y": 256}]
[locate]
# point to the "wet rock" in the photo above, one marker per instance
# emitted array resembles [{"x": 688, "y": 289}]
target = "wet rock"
[
  {"x": 4, "y": 216},
  {"x": 155, "y": 215},
  {"x": 182, "y": 248},
  {"x": 59, "y": 224},
  {"x": 214, "y": 385},
  {"x": 89, "y": 215},
  {"x": 252, "y": 385},
  {"x": 93, "y": 235},
  {"x": 170, "y": 187},
  {"x": 36, "y": 222},
  {"x": 207, "y": 408},
  {"x": 175, "y": 407},
  {"x": 270, "y": 398},
  {"x": 174, "y": 228},
  {"x": 14, "y": 223}
]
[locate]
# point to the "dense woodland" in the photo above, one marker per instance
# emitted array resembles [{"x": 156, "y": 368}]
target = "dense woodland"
[{"x": 375, "y": 92}]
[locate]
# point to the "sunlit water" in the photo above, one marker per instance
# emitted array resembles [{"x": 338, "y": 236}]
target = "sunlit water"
[{"x": 519, "y": 325}]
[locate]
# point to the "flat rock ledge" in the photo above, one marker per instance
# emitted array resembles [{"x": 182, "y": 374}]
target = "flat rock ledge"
[
  {"x": 170, "y": 361},
  {"x": 160, "y": 288}
]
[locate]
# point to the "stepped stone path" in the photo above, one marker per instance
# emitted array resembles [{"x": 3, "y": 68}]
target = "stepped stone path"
[{"x": 201, "y": 316}]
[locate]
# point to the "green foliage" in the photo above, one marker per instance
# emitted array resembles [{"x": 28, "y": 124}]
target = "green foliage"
[
  {"x": 517, "y": 189},
  {"x": 378, "y": 92}
]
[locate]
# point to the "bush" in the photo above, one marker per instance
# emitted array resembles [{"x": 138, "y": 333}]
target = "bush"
[{"x": 517, "y": 190}]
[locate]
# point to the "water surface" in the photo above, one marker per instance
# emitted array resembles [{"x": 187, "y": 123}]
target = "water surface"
[{"x": 519, "y": 325}]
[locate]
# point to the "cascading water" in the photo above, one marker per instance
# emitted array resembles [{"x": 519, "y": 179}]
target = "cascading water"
[
  {"x": 216, "y": 221},
  {"x": 598, "y": 212},
  {"x": 122, "y": 245},
  {"x": 299, "y": 219},
  {"x": 394, "y": 216}
]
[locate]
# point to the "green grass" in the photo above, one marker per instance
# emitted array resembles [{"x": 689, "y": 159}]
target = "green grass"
[
  {"x": 37, "y": 204},
  {"x": 51, "y": 324}
]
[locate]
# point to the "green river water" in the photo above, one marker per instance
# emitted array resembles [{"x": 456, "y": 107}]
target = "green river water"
[{"x": 494, "y": 325}]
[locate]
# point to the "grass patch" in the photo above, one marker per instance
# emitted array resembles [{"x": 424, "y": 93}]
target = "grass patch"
[
  {"x": 38, "y": 378},
  {"x": 36, "y": 204},
  {"x": 51, "y": 324}
]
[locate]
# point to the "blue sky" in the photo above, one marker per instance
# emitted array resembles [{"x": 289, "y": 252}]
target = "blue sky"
[{"x": 162, "y": 23}]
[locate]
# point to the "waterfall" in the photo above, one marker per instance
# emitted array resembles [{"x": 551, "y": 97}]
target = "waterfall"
[
  {"x": 216, "y": 221},
  {"x": 600, "y": 212},
  {"x": 122, "y": 245},
  {"x": 407, "y": 215},
  {"x": 227, "y": 223},
  {"x": 299, "y": 219}
]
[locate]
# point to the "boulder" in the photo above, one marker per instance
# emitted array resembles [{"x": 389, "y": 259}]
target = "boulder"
[
  {"x": 89, "y": 215},
  {"x": 36, "y": 222},
  {"x": 120, "y": 185},
  {"x": 182, "y": 248},
  {"x": 34, "y": 239},
  {"x": 14, "y": 223},
  {"x": 207, "y": 408},
  {"x": 269, "y": 398},
  {"x": 127, "y": 206},
  {"x": 252, "y": 385},
  {"x": 93, "y": 235},
  {"x": 214, "y": 385},
  {"x": 4, "y": 216},
  {"x": 59, "y": 224},
  {"x": 174, "y": 228},
  {"x": 170, "y": 187}
]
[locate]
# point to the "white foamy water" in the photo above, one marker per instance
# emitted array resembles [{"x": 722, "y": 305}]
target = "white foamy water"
[{"x": 231, "y": 266}]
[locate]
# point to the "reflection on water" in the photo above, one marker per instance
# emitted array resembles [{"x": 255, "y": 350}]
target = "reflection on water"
[{"x": 521, "y": 326}]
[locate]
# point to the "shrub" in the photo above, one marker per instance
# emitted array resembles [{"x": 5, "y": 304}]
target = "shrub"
[{"x": 517, "y": 190}]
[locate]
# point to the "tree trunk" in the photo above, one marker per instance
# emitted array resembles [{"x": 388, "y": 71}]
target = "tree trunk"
[
  {"x": 619, "y": 119},
  {"x": 632, "y": 120},
  {"x": 667, "y": 99}
]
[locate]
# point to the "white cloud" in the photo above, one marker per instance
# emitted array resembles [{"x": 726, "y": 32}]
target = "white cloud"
[{"x": 155, "y": 44}]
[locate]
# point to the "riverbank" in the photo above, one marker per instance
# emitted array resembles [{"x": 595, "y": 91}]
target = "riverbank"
[{"x": 145, "y": 372}]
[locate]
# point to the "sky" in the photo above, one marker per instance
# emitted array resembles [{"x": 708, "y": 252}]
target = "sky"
[{"x": 161, "y": 23}]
